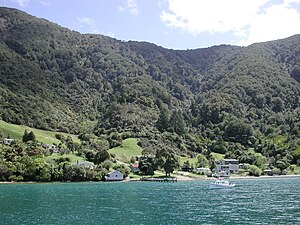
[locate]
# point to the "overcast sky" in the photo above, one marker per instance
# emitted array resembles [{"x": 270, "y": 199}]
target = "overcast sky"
[{"x": 174, "y": 24}]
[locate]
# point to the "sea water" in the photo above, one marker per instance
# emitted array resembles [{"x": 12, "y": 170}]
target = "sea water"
[{"x": 252, "y": 201}]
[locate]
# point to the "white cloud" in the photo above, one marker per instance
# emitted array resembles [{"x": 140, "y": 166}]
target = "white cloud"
[
  {"x": 131, "y": 6},
  {"x": 276, "y": 22},
  {"x": 88, "y": 23},
  {"x": 45, "y": 3},
  {"x": 21, "y": 3},
  {"x": 249, "y": 21}
]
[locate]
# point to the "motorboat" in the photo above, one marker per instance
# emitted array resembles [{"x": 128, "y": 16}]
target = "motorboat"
[{"x": 218, "y": 184}]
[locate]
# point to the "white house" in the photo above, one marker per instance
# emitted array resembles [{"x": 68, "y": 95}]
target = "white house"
[
  {"x": 203, "y": 170},
  {"x": 8, "y": 141},
  {"x": 87, "y": 165},
  {"x": 227, "y": 166},
  {"x": 114, "y": 176}
]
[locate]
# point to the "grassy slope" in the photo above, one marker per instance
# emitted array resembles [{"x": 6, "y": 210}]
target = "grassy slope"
[
  {"x": 184, "y": 159},
  {"x": 128, "y": 149},
  {"x": 74, "y": 158},
  {"x": 217, "y": 156},
  {"x": 17, "y": 131}
]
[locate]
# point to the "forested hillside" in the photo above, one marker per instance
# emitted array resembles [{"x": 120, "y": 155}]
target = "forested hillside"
[{"x": 224, "y": 99}]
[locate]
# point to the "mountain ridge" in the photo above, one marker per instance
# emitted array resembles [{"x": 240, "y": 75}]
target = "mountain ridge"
[{"x": 220, "y": 98}]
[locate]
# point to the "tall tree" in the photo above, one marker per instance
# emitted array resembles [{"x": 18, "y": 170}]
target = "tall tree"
[
  {"x": 162, "y": 123},
  {"x": 25, "y": 136},
  {"x": 177, "y": 123},
  {"x": 167, "y": 160}
]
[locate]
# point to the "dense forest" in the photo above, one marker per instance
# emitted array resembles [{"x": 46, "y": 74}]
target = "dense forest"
[{"x": 223, "y": 99}]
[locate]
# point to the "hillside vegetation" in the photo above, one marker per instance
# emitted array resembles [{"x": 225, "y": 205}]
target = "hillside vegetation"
[
  {"x": 236, "y": 101},
  {"x": 43, "y": 136}
]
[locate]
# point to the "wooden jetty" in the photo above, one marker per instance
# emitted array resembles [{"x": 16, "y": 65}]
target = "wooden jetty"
[{"x": 157, "y": 179}]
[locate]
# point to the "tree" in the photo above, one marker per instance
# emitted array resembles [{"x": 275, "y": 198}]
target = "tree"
[
  {"x": 170, "y": 164},
  {"x": 201, "y": 161},
  {"x": 25, "y": 136},
  {"x": 31, "y": 136},
  {"x": 28, "y": 136},
  {"x": 260, "y": 161},
  {"x": 177, "y": 123},
  {"x": 254, "y": 171},
  {"x": 101, "y": 156},
  {"x": 278, "y": 104},
  {"x": 1, "y": 134},
  {"x": 281, "y": 165},
  {"x": 74, "y": 173},
  {"x": 186, "y": 166},
  {"x": 147, "y": 165},
  {"x": 162, "y": 123},
  {"x": 167, "y": 160},
  {"x": 238, "y": 131}
]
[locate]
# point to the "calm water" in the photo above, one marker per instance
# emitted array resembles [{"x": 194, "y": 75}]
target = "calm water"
[{"x": 261, "y": 201}]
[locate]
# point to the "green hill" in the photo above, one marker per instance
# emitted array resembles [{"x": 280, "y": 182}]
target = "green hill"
[
  {"x": 46, "y": 137},
  {"x": 128, "y": 149},
  {"x": 222, "y": 99}
]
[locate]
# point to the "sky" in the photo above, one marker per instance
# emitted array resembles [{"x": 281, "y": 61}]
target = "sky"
[{"x": 173, "y": 24}]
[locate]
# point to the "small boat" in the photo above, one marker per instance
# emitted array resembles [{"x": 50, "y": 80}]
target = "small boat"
[{"x": 218, "y": 184}]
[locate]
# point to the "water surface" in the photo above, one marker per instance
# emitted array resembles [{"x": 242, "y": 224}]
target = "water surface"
[{"x": 252, "y": 201}]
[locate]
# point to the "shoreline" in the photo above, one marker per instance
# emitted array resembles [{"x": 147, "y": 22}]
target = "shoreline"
[{"x": 179, "y": 179}]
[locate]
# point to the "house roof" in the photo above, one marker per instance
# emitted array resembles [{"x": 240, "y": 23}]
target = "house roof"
[
  {"x": 230, "y": 160},
  {"x": 116, "y": 171},
  {"x": 135, "y": 165}
]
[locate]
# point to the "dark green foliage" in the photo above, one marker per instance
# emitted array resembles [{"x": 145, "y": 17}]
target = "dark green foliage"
[
  {"x": 220, "y": 99},
  {"x": 101, "y": 156},
  {"x": 28, "y": 136},
  {"x": 238, "y": 131},
  {"x": 167, "y": 160},
  {"x": 254, "y": 171},
  {"x": 162, "y": 123},
  {"x": 20, "y": 163},
  {"x": 1, "y": 134},
  {"x": 147, "y": 165}
]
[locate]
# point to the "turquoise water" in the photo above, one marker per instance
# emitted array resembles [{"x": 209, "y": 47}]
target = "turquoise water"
[{"x": 252, "y": 201}]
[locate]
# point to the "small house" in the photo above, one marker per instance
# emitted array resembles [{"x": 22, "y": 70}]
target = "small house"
[
  {"x": 268, "y": 172},
  {"x": 87, "y": 165},
  {"x": 114, "y": 176},
  {"x": 8, "y": 141},
  {"x": 203, "y": 170},
  {"x": 135, "y": 168}
]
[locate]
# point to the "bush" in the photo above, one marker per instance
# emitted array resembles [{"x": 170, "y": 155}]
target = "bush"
[{"x": 254, "y": 171}]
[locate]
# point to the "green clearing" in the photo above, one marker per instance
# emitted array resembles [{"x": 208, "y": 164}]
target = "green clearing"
[
  {"x": 74, "y": 158},
  {"x": 183, "y": 159},
  {"x": 217, "y": 156},
  {"x": 128, "y": 149},
  {"x": 47, "y": 137}
]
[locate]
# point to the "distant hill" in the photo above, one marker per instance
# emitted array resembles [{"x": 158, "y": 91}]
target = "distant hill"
[{"x": 223, "y": 99}]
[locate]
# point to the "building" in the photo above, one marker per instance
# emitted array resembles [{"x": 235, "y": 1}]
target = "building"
[
  {"x": 8, "y": 141},
  {"x": 203, "y": 170},
  {"x": 87, "y": 165},
  {"x": 135, "y": 168},
  {"x": 114, "y": 176},
  {"x": 51, "y": 148},
  {"x": 225, "y": 167}
]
